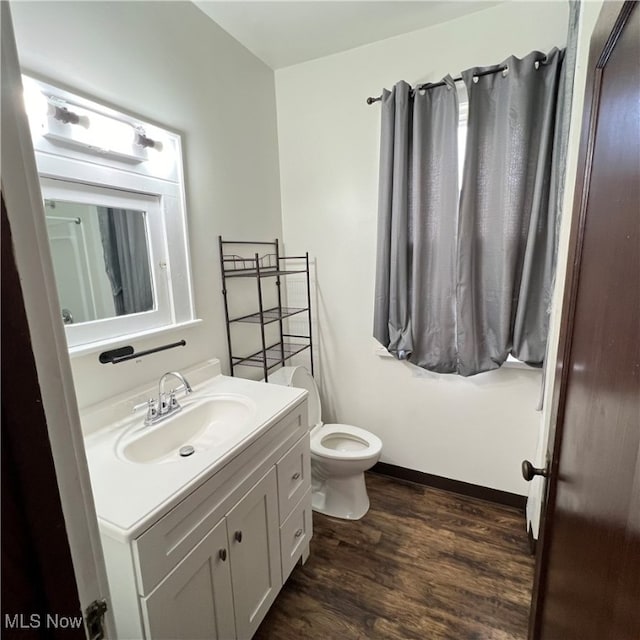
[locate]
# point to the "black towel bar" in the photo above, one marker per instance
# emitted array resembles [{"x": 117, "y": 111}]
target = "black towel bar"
[{"x": 122, "y": 354}]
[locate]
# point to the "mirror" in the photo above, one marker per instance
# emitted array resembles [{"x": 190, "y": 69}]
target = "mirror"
[{"x": 100, "y": 259}]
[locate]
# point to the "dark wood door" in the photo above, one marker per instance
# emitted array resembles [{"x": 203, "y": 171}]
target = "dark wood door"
[
  {"x": 587, "y": 582},
  {"x": 38, "y": 578}
]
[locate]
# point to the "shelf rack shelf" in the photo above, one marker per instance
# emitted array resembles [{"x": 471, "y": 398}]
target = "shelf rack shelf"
[
  {"x": 268, "y": 265},
  {"x": 269, "y": 315}
]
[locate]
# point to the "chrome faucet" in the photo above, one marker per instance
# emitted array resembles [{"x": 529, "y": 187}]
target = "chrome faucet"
[{"x": 165, "y": 406}]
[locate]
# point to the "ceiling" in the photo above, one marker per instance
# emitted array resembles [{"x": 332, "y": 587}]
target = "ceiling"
[{"x": 286, "y": 33}]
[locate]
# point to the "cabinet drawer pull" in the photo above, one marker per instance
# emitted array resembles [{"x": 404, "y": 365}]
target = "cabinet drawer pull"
[
  {"x": 223, "y": 555},
  {"x": 298, "y": 533},
  {"x": 238, "y": 536},
  {"x": 296, "y": 475}
]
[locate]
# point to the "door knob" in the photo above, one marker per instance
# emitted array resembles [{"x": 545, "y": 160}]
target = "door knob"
[
  {"x": 238, "y": 536},
  {"x": 529, "y": 471},
  {"x": 223, "y": 555}
]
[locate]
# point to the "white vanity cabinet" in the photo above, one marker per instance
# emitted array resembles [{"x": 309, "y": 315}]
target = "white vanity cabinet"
[
  {"x": 213, "y": 564},
  {"x": 239, "y": 556}
]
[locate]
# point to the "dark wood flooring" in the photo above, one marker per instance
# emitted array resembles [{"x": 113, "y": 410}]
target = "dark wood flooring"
[{"x": 423, "y": 564}]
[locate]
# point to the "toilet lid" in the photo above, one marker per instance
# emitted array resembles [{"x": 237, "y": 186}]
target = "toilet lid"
[{"x": 299, "y": 377}]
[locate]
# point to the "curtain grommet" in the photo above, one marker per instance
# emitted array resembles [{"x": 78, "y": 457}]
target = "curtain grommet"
[{"x": 505, "y": 72}]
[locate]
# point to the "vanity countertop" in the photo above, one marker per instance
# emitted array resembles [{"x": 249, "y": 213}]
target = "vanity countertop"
[{"x": 130, "y": 496}]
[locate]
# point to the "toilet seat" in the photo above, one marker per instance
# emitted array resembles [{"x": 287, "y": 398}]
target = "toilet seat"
[
  {"x": 321, "y": 444},
  {"x": 371, "y": 444},
  {"x": 340, "y": 454}
]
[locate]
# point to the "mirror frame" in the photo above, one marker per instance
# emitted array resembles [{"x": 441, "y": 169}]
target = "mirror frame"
[
  {"x": 151, "y": 177},
  {"x": 161, "y": 314}
]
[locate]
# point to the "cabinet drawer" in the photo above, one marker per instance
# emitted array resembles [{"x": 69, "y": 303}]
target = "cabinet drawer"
[
  {"x": 295, "y": 534},
  {"x": 294, "y": 476}
]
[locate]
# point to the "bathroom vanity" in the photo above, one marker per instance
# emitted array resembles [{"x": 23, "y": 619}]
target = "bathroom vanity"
[{"x": 199, "y": 546}]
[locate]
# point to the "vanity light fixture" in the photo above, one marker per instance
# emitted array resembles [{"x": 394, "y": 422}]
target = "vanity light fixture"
[
  {"x": 71, "y": 121},
  {"x": 92, "y": 132}
]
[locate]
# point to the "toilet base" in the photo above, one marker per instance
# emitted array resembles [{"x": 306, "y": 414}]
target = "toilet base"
[{"x": 344, "y": 497}]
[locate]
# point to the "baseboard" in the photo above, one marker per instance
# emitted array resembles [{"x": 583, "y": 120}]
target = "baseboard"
[{"x": 455, "y": 486}]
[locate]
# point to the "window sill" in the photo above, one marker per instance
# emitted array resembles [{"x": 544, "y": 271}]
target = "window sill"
[
  {"x": 511, "y": 362},
  {"x": 103, "y": 345}
]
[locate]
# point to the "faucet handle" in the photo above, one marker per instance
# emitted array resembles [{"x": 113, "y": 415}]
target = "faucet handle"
[
  {"x": 152, "y": 411},
  {"x": 173, "y": 402},
  {"x": 140, "y": 405}
]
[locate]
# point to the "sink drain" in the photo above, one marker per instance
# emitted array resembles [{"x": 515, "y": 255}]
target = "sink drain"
[{"x": 186, "y": 451}]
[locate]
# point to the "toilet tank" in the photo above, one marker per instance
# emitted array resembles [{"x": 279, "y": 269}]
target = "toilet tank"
[{"x": 300, "y": 378}]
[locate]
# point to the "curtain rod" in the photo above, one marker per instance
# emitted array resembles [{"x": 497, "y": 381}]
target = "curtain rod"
[{"x": 428, "y": 85}]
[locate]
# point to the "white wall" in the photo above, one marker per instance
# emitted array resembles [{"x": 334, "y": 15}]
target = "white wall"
[
  {"x": 476, "y": 430},
  {"x": 168, "y": 63}
]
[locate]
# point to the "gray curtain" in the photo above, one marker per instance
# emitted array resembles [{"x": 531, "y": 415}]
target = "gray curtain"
[
  {"x": 414, "y": 311},
  {"x": 126, "y": 259},
  {"x": 506, "y": 234}
]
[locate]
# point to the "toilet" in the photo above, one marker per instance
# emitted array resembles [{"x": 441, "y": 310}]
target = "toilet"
[{"x": 340, "y": 454}]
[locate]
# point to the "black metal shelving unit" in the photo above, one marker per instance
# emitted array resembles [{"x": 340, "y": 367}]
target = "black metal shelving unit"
[{"x": 268, "y": 265}]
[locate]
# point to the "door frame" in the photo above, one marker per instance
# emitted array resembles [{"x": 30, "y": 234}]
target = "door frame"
[
  {"x": 25, "y": 212},
  {"x": 608, "y": 29}
]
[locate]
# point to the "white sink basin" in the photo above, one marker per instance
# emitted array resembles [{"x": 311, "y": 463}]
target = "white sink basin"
[{"x": 204, "y": 423}]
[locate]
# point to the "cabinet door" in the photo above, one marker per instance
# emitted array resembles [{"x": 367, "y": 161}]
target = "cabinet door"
[
  {"x": 254, "y": 542},
  {"x": 194, "y": 601}
]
